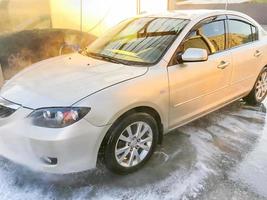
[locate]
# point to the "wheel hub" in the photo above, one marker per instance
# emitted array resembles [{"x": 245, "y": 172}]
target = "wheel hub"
[{"x": 134, "y": 143}]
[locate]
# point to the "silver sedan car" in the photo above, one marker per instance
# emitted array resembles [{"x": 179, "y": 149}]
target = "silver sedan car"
[{"x": 113, "y": 101}]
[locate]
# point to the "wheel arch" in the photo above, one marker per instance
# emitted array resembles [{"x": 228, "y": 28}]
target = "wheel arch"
[
  {"x": 145, "y": 109},
  {"x": 250, "y": 96}
]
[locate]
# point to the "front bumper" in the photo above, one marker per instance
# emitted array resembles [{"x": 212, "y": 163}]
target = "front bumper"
[{"x": 75, "y": 148}]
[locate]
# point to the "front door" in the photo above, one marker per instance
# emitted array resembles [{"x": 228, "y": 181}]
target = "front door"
[{"x": 196, "y": 87}]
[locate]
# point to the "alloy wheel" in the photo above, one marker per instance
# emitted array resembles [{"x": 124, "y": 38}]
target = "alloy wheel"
[
  {"x": 261, "y": 86},
  {"x": 134, "y": 144}
]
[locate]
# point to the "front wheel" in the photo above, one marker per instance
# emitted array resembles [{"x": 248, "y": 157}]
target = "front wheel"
[
  {"x": 259, "y": 91},
  {"x": 131, "y": 143}
]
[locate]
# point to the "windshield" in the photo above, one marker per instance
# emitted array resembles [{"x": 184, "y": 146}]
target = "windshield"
[{"x": 140, "y": 41}]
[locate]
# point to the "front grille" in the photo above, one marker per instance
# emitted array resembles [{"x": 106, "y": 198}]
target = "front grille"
[{"x": 6, "y": 112}]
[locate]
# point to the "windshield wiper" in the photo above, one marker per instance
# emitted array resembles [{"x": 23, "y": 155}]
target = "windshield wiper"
[
  {"x": 106, "y": 58},
  {"x": 115, "y": 60}
]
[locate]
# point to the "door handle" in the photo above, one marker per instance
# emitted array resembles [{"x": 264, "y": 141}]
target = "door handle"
[
  {"x": 223, "y": 65},
  {"x": 257, "y": 53}
]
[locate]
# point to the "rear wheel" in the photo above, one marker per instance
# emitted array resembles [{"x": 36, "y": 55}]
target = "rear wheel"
[
  {"x": 131, "y": 143},
  {"x": 259, "y": 92}
]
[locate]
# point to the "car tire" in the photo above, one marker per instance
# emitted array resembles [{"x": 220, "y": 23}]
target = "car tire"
[
  {"x": 259, "y": 91},
  {"x": 125, "y": 151}
]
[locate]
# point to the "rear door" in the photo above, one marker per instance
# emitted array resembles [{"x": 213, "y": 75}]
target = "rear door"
[
  {"x": 247, "y": 54},
  {"x": 196, "y": 87}
]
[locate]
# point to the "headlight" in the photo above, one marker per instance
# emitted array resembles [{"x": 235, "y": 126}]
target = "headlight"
[{"x": 57, "y": 117}]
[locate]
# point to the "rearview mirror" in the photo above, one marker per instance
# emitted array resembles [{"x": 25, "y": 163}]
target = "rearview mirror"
[{"x": 195, "y": 55}]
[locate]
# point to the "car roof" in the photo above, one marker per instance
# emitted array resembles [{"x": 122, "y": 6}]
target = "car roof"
[
  {"x": 193, "y": 14},
  {"x": 198, "y": 14}
]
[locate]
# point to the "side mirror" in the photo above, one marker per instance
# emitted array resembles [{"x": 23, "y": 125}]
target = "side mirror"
[{"x": 195, "y": 55}]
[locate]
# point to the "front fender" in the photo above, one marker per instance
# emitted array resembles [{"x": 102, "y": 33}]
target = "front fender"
[{"x": 150, "y": 90}]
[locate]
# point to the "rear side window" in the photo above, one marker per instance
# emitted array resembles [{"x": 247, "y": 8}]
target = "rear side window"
[
  {"x": 241, "y": 33},
  {"x": 209, "y": 36}
]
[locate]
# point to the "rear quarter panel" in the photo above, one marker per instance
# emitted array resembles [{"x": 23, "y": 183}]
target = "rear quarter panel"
[{"x": 263, "y": 48}]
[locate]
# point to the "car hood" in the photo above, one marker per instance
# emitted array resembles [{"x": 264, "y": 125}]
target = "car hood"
[{"x": 64, "y": 80}]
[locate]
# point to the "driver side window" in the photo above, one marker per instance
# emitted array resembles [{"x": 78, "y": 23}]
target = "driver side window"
[
  {"x": 196, "y": 40},
  {"x": 208, "y": 35}
]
